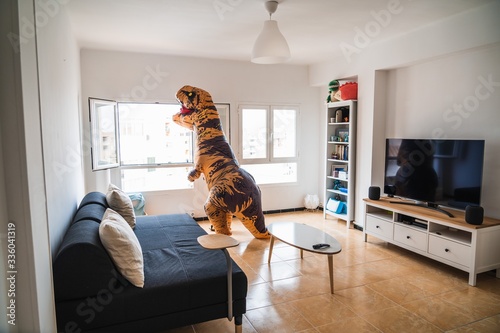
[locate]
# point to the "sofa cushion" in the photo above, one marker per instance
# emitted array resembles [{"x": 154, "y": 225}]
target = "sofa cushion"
[
  {"x": 123, "y": 247},
  {"x": 179, "y": 273},
  {"x": 120, "y": 202},
  {"x": 82, "y": 266}
]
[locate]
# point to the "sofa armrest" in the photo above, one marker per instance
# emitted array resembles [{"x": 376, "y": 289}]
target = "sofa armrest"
[{"x": 82, "y": 266}]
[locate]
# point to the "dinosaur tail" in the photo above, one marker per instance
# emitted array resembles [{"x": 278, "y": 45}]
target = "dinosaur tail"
[{"x": 256, "y": 225}]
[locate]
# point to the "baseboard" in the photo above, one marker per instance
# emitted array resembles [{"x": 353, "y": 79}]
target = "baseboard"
[
  {"x": 288, "y": 210},
  {"x": 266, "y": 212}
]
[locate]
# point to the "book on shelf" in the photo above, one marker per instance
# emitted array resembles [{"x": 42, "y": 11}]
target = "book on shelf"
[
  {"x": 337, "y": 169},
  {"x": 342, "y": 152}
]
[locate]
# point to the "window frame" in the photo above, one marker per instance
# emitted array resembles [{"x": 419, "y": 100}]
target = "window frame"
[
  {"x": 96, "y": 134},
  {"x": 270, "y": 109},
  {"x": 224, "y": 112},
  {"x": 241, "y": 157},
  {"x": 123, "y": 165}
]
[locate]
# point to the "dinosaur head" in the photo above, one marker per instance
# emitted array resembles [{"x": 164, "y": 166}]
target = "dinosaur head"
[{"x": 194, "y": 104}]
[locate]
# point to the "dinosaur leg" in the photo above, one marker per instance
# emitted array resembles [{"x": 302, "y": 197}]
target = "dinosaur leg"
[
  {"x": 251, "y": 215},
  {"x": 229, "y": 220},
  {"x": 250, "y": 223},
  {"x": 217, "y": 217}
]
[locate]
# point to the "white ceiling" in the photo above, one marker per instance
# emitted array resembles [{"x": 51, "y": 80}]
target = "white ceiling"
[{"x": 227, "y": 29}]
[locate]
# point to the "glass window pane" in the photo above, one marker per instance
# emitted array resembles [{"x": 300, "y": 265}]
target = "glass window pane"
[
  {"x": 224, "y": 115},
  {"x": 156, "y": 179},
  {"x": 284, "y": 133},
  {"x": 254, "y": 136},
  {"x": 273, "y": 173},
  {"x": 104, "y": 136},
  {"x": 149, "y": 136}
]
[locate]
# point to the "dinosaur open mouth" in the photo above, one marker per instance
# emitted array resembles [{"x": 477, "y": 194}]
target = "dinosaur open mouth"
[{"x": 185, "y": 110}]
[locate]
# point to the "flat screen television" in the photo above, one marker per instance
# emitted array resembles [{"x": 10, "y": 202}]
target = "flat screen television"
[{"x": 434, "y": 173}]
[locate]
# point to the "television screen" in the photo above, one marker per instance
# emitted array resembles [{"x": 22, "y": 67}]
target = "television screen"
[{"x": 438, "y": 172}]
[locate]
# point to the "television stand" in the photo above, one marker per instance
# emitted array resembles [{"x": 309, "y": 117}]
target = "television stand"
[
  {"x": 450, "y": 240},
  {"x": 424, "y": 206}
]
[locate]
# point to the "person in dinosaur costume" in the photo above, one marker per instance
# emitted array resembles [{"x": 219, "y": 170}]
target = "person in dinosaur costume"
[{"x": 232, "y": 190}]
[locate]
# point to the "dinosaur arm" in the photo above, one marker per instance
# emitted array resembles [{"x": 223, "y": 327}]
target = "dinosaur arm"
[
  {"x": 198, "y": 168},
  {"x": 194, "y": 174}
]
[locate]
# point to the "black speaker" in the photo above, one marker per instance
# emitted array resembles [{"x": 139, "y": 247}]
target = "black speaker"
[
  {"x": 474, "y": 214},
  {"x": 374, "y": 192}
]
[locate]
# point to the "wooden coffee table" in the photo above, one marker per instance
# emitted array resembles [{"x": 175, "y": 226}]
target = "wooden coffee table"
[{"x": 303, "y": 237}]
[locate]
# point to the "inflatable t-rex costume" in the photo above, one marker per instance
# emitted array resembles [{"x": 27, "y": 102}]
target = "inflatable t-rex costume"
[{"x": 232, "y": 190}]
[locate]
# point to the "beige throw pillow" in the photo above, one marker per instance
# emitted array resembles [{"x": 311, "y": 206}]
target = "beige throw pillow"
[
  {"x": 123, "y": 247},
  {"x": 120, "y": 202}
]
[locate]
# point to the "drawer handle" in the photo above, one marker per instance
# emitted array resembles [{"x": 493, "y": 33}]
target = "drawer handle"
[
  {"x": 407, "y": 237},
  {"x": 446, "y": 250}
]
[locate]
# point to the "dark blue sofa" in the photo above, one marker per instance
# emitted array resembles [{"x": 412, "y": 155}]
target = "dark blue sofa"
[{"x": 184, "y": 283}]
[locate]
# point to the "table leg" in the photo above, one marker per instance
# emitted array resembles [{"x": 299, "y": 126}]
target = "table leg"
[
  {"x": 229, "y": 285},
  {"x": 330, "y": 268},
  {"x": 271, "y": 244},
  {"x": 222, "y": 242}
]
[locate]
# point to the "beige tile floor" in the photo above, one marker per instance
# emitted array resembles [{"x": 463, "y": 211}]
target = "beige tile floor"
[{"x": 378, "y": 288}]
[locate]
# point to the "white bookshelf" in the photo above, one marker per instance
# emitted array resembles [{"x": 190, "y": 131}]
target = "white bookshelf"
[{"x": 340, "y": 185}]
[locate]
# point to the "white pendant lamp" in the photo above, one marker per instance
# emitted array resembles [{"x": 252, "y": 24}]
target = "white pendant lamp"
[{"x": 270, "y": 47}]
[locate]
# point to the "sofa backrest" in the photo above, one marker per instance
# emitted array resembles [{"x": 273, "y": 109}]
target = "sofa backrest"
[
  {"x": 92, "y": 207},
  {"x": 82, "y": 266}
]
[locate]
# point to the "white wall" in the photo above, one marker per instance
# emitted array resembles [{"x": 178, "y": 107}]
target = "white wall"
[
  {"x": 40, "y": 98},
  {"x": 23, "y": 171},
  {"x": 59, "y": 97},
  {"x": 60, "y": 101},
  {"x": 4, "y": 220},
  {"x": 410, "y": 82},
  {"x": 459, "y": 103},
  {"x": 125, "y": 76},
  {"x": 7, "y": 101}
]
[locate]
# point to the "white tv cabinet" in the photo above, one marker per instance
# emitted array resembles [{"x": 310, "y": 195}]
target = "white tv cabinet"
[{"x": 450, "y": 240}]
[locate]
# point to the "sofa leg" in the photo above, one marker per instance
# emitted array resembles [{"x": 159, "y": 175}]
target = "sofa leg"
[{"x": 238, "y": 324}]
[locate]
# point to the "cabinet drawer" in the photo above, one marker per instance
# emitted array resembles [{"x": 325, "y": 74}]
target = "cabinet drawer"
[
  {"x": 411, "y": 237},
  {"x": 452, "y": 251},
  {"x": 379, "y": 227}
]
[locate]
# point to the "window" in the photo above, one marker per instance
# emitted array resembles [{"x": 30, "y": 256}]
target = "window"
[
  {"x": 155, "y": 153},
  {"x": 152, "y": 152},
  {"x": 103, "y": 133},
  {"x": 268, "y": 145}
]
